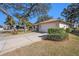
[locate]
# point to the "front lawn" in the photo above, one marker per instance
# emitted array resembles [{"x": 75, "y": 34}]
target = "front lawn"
[{"x": 50, "y": 48}]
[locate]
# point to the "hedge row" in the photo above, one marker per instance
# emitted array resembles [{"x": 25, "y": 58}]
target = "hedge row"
[
  {"x": 57, "y": 34},
  {"x": 55, "y": 30}
]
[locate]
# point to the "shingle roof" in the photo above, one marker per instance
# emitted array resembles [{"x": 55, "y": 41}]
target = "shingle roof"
[{"x": 49, "y": 21}]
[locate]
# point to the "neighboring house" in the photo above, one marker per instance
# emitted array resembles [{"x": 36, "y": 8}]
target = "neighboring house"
[
  {"x": 75, "y": 25},
  {"x": 6, "y": 27},
  {"x": 45, "y": 25},
  {"x": 1, "y": 28}
]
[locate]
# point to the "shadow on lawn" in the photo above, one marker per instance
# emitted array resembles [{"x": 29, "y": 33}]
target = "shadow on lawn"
[
  {"x": 55, "y": 37},
  {"x": 75, "y": 32},
  {"x": 44, "y": 37}
]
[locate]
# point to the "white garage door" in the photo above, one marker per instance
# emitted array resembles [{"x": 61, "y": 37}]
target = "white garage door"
[{"x": 45, "y": 27}]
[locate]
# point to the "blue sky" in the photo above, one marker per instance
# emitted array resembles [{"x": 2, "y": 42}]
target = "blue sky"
[{"x": 55, "y": 12}]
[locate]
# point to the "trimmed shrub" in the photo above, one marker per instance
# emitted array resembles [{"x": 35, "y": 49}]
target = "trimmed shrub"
[
  {"x": 57, "y": 34},
  {"x": 68, "y": 30},
  {"x": 55, "y": 30},
  {"x": 57, "y": 37}
]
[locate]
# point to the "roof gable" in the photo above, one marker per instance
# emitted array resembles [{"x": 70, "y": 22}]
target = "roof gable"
[{"x": 51, "y": 21}]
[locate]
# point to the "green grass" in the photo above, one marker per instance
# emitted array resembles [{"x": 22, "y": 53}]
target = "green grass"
[{"x": 50, "y": 48}]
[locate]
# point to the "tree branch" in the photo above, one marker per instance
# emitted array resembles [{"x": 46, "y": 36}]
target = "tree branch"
[
  {"x": 28, "y": 14},
  {"x": 4, "y": 11}
]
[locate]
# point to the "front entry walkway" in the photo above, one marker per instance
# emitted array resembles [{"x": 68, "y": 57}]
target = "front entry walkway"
[{"x": 9, "y": 43}]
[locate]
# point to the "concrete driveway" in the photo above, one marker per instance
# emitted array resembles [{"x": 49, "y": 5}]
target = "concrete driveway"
[{"x": 12, "y": 42}]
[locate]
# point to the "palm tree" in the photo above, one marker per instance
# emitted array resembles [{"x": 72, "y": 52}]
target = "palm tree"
[{"x": 9, "y": 19}]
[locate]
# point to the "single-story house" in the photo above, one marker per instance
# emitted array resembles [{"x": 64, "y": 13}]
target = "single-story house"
[
  {"x": 1, "y": 28},
  {"x": 45, "y": 25},
  {"x": 6, "y": 27}
]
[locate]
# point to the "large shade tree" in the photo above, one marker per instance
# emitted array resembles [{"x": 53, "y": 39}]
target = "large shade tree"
[
  {"x": 32, "y": 10},
  {"x": 71, "y": 13},
  {"x": 23, "y": 11}
]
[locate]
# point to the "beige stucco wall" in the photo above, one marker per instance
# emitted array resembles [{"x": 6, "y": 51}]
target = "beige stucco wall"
[
  {"x": 46, "y": 26},
  {"x": 63, "y": 25}
]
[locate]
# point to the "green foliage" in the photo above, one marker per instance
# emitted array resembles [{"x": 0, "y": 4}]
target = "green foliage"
[
  {"x": 26, "y": 10},
  {"x": 55, "y": 30},
  {"x": 10, "y": 21},
  {"x": 28, "y": 24},
  {"x": 57, "y": 34},
  {"x": 68, "y": 30},
  {"x": 43, "y": 18},
  {"x": 57, "y": 37},
  {"x": 71, "y": 13},
  {"x": 77, "y": 28},
  {"x": 49, "y": 30}
]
